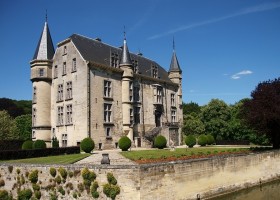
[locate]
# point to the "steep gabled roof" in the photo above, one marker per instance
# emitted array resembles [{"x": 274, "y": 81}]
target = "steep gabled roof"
[
  {"x": 99, "y": 52},
  {"x": 45, "y": 49},
  {"x": 174, "y": 65},
  {"x": 125, "y": 56}
]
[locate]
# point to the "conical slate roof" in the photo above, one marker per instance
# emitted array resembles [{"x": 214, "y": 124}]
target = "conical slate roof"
[
  {"x": 45, "y": 49},
  {"x": 174, "y": 65},
  {"x": 125, "y": 56}
]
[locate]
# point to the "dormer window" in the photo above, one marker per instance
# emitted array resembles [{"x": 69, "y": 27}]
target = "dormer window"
[
  {"x": 135, "y": 66},
  {"x": 114, "y": 60},
  {"x": 154, "y": 71},
  {"x": 64, "y": 50}
]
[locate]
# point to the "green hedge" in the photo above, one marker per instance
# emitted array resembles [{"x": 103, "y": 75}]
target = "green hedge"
[
  {"x": 202, "y": 140},
  {"x": 190, "y": 140},
  {"x": 27, "y": 145},
  {"x": 124, "y": 143},
  {"x": 160, "y": 142},
  {"x": 39, "y": 144}
]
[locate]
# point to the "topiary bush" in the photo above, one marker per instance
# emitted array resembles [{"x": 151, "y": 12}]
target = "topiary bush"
[
  {"x": 210, "y": 139},
  {"x": 24, "y": 194},
  {"x": 202, "y": 140},
  {"x": 190, "y": 140},
  {"x": 111, "y": 191},
  {"x": 124, "y": 143},
  {"x": 111, "y": 179},
  {"x": 5, "y": 195},
  {"x": 53, "y": 171},
  {"x": 62, "y": 172},
  {"x": 27, "y": 145},
  {"x": 87, "y": 145},
  {"x": 39, "y": 144},
  {"x": 160, "y": 142},
  {"x": 33, "y": 176}
]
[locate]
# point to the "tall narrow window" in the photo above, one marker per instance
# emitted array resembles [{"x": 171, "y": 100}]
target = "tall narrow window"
[
  {"x": 34, "y": 94},
  {"x": 107, "y": 112},
  {"x": 154, "y": 71},
  {"x": 159, "y": 95},
  {"x": 114, "y": 60},
  {"x": 34, "y": 116},
  {"x": 60, "y": 92},
  {"x": 131, "y": 116},
  {"x": 55, "y": 72},
  {"x": 69, "y": 90},
  {"x": 130, "y": 91},
  {"x": 69, "y": 114},
  {"x": 41, "y": 72},
  {"x": 108, "y": 132},
  {"x": 136, "y": 115},
  {"x": 60, "y": 115},
  {"x": 64, "y": 69},
  {"x": 64, "y": 140},
  {"x": 173, "y": 116},
  {"x": 136, "y": 94},
  {"x": 74, "y": 67},
  {"x": 64, "y": 50},
  {"x": 107, "y": 89},
  {"x": 172, "y": 99},
  {"x": 135, "y": 66}
]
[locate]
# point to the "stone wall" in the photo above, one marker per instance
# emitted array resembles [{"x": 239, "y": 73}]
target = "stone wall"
[{"x": 175, "y": 180}]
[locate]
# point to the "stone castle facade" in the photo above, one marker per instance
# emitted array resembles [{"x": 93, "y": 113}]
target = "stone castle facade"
[{"x": 86, "y": 88}]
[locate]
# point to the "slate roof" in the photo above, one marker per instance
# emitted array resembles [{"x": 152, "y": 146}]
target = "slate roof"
[
  {"x": 99, "y": 52},
  {"x": 125, "y": 57},
  {"x": 45, "y": 49},
  {"x": 174, "y": 65}
]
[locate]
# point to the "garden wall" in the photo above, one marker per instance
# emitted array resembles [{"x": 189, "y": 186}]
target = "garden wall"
[{"x": 175, "y": 180}]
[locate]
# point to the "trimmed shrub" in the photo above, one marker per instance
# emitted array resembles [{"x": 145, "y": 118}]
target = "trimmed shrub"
[
  {"x": 5, "y": 195},
  {"x": 202, "y": 140},
  {"x": 55, "y": 142},
  {"x": 160, "y": 142},
  {"x": 87, "y": 145},
  {"x": 93, "y": 190},
  {"x": 63, "y": 172},
  {"x": 111, "y": 179},
  {"x": 33, "y": 176},
  {"x": 27, "y": 145},
  {"x": 124, "y": 143},
  {"x": 37, "y": 194},
  {"x": 24, "y": 194},
  {"x": 39, "y": 144},
  {"x": 58, "y": 179},
  {"x": 210, "y": 139},
  {"x": 111, "y": 191},
  {"x": 190, "y": 140}
]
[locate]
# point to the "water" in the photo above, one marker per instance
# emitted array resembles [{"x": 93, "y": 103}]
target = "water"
[{"x": 268, "y": 191}]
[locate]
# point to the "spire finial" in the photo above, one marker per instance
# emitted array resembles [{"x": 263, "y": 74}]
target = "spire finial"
[
  {"x": 46, "y": 15},
  {"x": 124, "y": 34},
  {"x": 173, "y": 44}
]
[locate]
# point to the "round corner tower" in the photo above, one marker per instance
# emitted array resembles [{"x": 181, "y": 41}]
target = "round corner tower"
[{"x": 41, "y": 77}]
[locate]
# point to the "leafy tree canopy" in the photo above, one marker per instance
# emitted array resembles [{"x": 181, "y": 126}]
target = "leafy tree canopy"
[
  {"x": 191, "y": 107},
  {"x": 16, "y": 108}
]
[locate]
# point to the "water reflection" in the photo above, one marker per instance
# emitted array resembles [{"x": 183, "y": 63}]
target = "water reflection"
[{"x": 268, "y": 191}]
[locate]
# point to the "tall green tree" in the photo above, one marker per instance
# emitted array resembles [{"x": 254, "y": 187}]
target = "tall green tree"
[
  {"x": 191, "y": 107},
  {"x": 262, "y": 112},
  {"x": 7, "y": 126},
  {"x": 193, "y": 125},
  {"x": 24, "y": 126},
  {"x": 216, "y": 116}
]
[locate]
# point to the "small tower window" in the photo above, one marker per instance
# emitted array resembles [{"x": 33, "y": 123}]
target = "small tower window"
[
  {"x": 64, "y": 69},
  {"x": 34, "y": 94},
  {"x": 34, "y": 116},
  {"x": 74, "y": 65},
  {"x": 55, "y": 72},
  {"x": 130, "y": 91},
  {"x": 41, "y": 72}
]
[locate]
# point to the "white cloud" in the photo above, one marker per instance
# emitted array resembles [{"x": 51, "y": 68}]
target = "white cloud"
[
  {"x": 249, "y": 10},
  {"x": 242, "y": 73}
]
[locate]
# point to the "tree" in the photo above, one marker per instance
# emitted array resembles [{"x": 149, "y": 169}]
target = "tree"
[
  {"x": 7, "y": 126},
  {"x": 262, "y": 112},
  {"x": 193, "y": 125},
  {"x": 24, "y": 126},
  {"x": 191, "y": 107},
  {"x": 10, "y": 107},
  {"x": 215, "y": 117}
]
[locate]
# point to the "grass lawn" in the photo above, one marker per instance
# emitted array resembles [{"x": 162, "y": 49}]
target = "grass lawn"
[
  {"x": 62, "y": 159},
  {"x": 144, "y": 156}
]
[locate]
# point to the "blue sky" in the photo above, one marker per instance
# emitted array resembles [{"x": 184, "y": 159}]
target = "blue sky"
[{"x": 225, "y": 47}]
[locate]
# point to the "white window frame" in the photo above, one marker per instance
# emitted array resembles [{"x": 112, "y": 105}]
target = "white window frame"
[
  {"x": 172, "y": 99},
  {"x": 107, "y": 88},
  {"x": 60, "y": 115},
  {"x": 69, "y": 89},
  {"x": 107, "y": 112},
  {"x": 64, "y": 138},
  {"x": 69, "y": 114},
  {"x": 173, "y": 116}
]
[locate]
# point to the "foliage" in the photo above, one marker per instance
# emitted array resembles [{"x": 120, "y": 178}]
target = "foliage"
[
  {"x": 190, "y": 140},
  {"x": 24, "y": 194},
  {"x": 93, "y": 190},
  {"x": 160, "y": 142},
  {"x": 189, "y": 108},
  {"x": 58, "y": 179},
  {"x": 124, "y": 143},
  {"x": 53, "y": 172},
  {"x": 27, "y": 145},
  {"x": 111, "y": 191},
  {"x": 87, "y": 145},
  {"x": 111, "y": 179},
  {"x": 39, "y": 144},
  {"x": 10, "y": 107},
  {"x": 33, "y": 176},
  {"x": 24, "y": 126},
  {"x": 202, "y": 140},
  {"x": 4, "y": 195},
  {"x": 88, "y": 176},
  {"x": 62, "y": 172},
  {"x": 55, "y": 142},
  {"x": 35, "y": 187},
  {"x": 210, "y": 139},
  {"x": 37, "y": 194},
  {"x": 61, "y": 190},
  {"x": 193, "y": 125},
  {"x": 7, "y": 126},
  {"x": 262, "y": 111}
]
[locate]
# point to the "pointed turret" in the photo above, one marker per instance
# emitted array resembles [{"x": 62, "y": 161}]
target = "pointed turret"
[
  {"x": 45, "y": 49},
  {"x": 125, "y": 57},
  {"x": 174, "y": 65}
]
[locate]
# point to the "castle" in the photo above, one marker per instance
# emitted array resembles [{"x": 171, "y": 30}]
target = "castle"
[{"x": 86, "y": 88}]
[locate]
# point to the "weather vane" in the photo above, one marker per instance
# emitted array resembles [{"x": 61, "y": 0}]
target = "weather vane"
[{"x": 46, "y": 15}]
